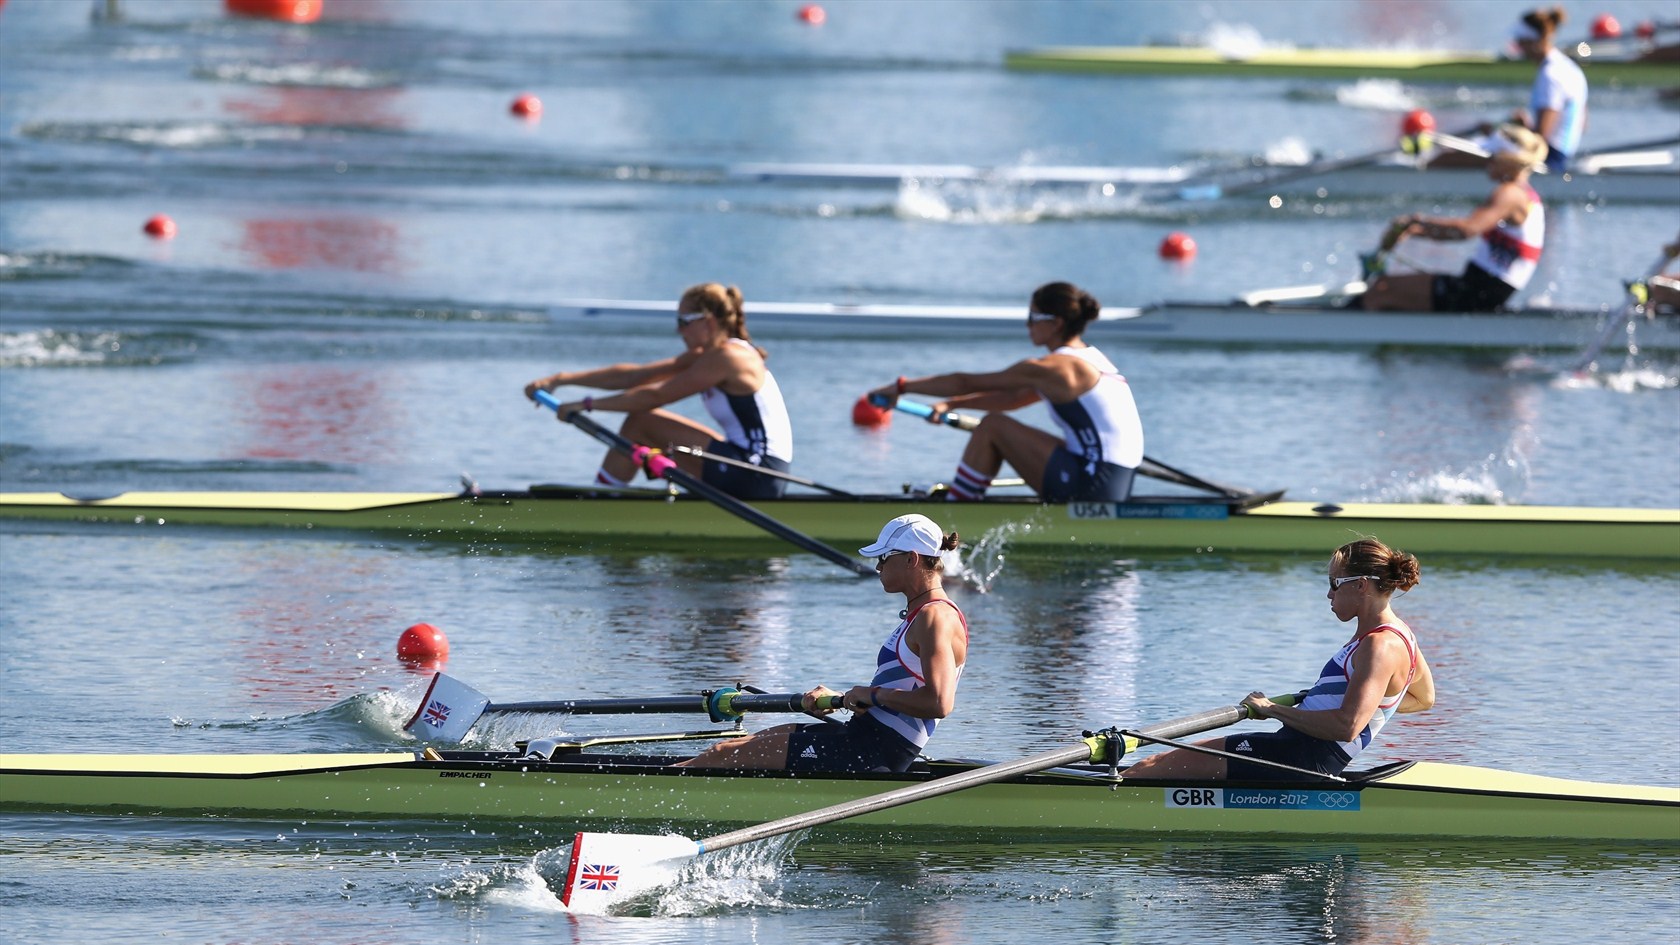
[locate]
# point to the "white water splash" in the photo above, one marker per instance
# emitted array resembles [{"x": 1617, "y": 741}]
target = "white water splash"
[
  {"x": 1237, "y": 41},
  {"x": 59, "y": 349},
  {"x": 1380, "y": 95}
]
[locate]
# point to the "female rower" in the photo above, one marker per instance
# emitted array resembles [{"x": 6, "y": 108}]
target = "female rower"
[
  {"x": 1557, "y": 105},
  {"x": 1512, "y": 227},
  {"x": 1102, "y": 443},
  {"x": 727, "y": 370},
  {"x": 915, "y": 682},
  {"x": 1377, "y": 673}
]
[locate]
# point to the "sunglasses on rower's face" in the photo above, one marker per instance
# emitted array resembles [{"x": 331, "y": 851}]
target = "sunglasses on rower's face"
[
  {"x": 1036, "y": 317},
  {"x": 685, "y": 319},
  {"x": 1336, "y": 583},
  {"x": 881, "y": 561}
]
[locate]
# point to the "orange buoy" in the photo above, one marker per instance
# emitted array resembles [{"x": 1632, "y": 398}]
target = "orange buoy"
[
  {"x": 160, "y": 227},
  {"x": 1416, "y": 122},
  {"x": 866, "y": 414},
  {"x": 1606, "y": 27},
  {"x": 1178, "y": 246},
  {"x": 422, "y": 643},
  {"x": 1645, "y": 29},
  {"x": 812, "y": 14},
  {"x": 286, "y": 11},
  {"x": 527, "y": 106}
]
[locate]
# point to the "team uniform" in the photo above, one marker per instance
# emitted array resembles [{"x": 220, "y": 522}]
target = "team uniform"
[
  {"x": 1561, "y": 86},
  {"x": 1102, "y": 438},
  {"x": 1292, "y": 747},
  {"x": 880, "y": 739},
  {"x": 756, "y": 430},
  {"x": 1503, "y": 263}
]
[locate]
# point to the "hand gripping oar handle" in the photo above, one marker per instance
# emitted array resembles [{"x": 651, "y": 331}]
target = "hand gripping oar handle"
[
  {"x": 658, "y": 464},
  {"x": 1092, "y": 748},
  {"x": 1151, "y": 467}
]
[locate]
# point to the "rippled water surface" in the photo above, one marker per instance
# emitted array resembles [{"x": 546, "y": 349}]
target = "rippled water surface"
[{"x": 369, "y": 257}]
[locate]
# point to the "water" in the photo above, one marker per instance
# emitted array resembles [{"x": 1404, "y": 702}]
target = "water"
[{"x": 369, "y": 245}]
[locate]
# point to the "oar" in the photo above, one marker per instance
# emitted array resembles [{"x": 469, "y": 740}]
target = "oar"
[
  {"x": 762, "y": 471},
  {"x": 607, "y": 868},
  {"x": 1151, "y": 467},
  {"x": 1638, "y": 295},
  {"x": 660, "y": 465},
  {"x": 450, "y": 707},
  {"x": 1215, "y": 191}
]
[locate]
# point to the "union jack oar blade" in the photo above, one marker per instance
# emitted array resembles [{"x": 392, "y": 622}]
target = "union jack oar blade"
[
  {"x": 609, "y": 868},
  {"x": 447, "y": 711}
]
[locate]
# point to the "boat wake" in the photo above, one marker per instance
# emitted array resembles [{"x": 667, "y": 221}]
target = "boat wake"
[{"x": 748, "y": 876}]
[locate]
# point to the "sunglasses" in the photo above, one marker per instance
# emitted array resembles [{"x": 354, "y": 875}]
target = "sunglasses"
[
  {"x": 1033, "y": 316},
  {"x": 882, "y": 560},
  {"x": 685, "y": 319},
  {"x": 1336, "y": 583}
]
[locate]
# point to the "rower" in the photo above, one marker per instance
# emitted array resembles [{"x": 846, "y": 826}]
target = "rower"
[
  {"x": 1101, "y": 445},
  {"x": 915, "y": 682},
  {"x": 721, "y": 364},
  {"x": 1379, "y": 672},
  {"x": 1511, "y": 225}
]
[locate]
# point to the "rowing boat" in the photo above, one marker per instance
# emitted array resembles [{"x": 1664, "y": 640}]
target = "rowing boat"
[
  {"x": 1332, "y": 64},
  {"x": 1646, "y": 176},
  {"x": 1403, "y": 799},
  {"x": 1270, "y": 319},
  {"x": 647, "y": 519}
]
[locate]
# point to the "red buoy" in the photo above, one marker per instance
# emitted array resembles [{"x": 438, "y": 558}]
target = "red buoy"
[
  {"x": 1606, "y": 27},
  {"x": 1645, "y": 29},
  {"x": 527, "y": 106},
  {"x": 1178, "y": 246},
  {"x": 160, "y": 227},
  {"x": 866, "y": 414},
  {"x": 1416, "y": 122},
  {"x": 812, "y": 14},
  {"x": 422, "y": 643},
  {"x": 288, "y": 11}
]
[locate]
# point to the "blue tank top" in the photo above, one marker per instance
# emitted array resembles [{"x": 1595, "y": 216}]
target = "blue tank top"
[
  {"x": 898, "y": 667},
  {"x": 1332, "y": 685}
]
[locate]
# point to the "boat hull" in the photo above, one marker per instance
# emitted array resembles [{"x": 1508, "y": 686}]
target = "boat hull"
[
  {"x": 1304, "y": 324},
  {"x": 1329, "y": 64},
  {"x": 1423, "y": 800},
  {"x": 649, "y": 520}
]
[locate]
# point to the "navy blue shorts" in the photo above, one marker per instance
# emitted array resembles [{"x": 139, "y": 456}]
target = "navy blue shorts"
[
  {"x": 1474, "y": 290},
  {"x": 860, "y": 745},
  {"x": 1285, "y": 746},
  {"x": 738, "y": 482},
  {"x": 1066, "y": 480}
]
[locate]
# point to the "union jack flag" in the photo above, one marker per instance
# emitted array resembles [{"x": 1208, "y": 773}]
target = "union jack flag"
[
  {"x": 436, "y": 714},
  {"x": 598, "y": 877}
]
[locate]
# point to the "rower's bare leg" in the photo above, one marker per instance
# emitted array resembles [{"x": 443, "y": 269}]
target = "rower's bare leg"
[
  {"x": 1412, "y": 292},
  {"x": 1180, "y": 763},
  {"x": 760, "y": 750},
  {"x": 659, "y": 429},
  {"x": 1000, "y": 438}
]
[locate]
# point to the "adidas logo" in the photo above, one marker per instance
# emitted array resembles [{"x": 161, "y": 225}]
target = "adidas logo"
[
  {"x": 1242, "y": 746},
  {"x": 809, "y": 752}
]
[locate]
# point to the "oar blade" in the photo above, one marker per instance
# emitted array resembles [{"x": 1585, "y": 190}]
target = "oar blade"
[
  {"x": 447, "y": 711},
  {"x": 609, "y": 868}
]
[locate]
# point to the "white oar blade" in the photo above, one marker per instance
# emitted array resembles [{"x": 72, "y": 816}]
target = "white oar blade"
[
  {"x": 447, "y": 711},
  {"x": 609, "y": 868}
]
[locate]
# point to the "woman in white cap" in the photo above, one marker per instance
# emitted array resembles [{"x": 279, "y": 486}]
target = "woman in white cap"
[
  {"x": 1511, "y": 226},
  {"x": 1557, "y": 105},
  {"x": 915, "y": 681},
  {"x": 723, "y": 366},
  {"x": 1101, "y": 446}
]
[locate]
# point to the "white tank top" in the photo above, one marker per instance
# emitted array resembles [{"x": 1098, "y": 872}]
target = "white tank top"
[
  {"x": 756, "y": 422},
  {"x": 1332, "y": 685},
  {"x": 1511, "y": 252},
  {"x": 1102, "y": 424},
  {"x": 898, "y": 667}
]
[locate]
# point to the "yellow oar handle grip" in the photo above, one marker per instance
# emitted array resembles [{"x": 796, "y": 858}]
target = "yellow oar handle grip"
[{"x": 1293, "y": 698}]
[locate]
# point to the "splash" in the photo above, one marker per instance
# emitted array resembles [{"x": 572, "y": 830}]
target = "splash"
[
  {"x": 1380, "y": 95},
  {"x": 1497, "y": 480},
  {"x": 747, "y": 876}
]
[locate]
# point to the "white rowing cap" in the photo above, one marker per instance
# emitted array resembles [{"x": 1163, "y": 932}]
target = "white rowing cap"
[
  {"x": 447, "y": 711},
  {"x": 609, "y": 868}
]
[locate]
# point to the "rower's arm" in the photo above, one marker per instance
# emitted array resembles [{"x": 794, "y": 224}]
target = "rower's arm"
[
  {"x": 1420, "y": 695},
  {"x": 1374, "y": 663},
  {"x": 708, "y": 370},
  {"x": 1508, "y": 201},
  {"x": 937, "y": 639},
  {"x": 613, "y": 376}
]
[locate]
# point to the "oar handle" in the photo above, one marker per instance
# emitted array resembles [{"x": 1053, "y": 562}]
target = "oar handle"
[
  {"x": 723, "y": 705},
  {"x": 658, "y": 464},
  {"x": 925, "y": 411}
]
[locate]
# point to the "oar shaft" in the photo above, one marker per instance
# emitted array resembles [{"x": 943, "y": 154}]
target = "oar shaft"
[
  {"x": 736, "y": 703},
  {"x": 762, "y": 471},
  {"x": 1086, "y": 750},
  {"x": 667, "y": 469}
]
